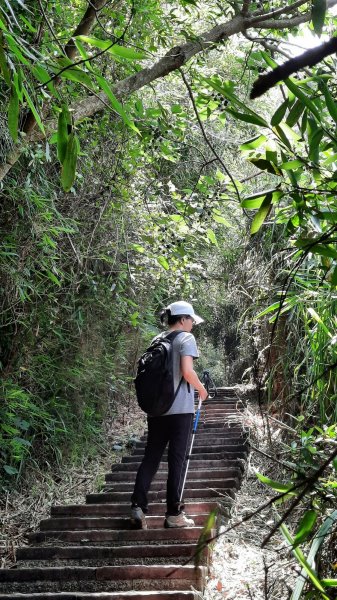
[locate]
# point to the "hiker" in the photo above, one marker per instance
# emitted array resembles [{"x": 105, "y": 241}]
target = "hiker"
[{"x": 174, "y": 426}]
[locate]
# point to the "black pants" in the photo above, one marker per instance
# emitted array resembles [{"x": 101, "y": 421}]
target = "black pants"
[{"x": 173, "y": 430}]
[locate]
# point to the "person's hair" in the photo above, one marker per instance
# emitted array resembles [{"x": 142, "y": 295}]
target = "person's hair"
[{"x": 166, "y": 317}]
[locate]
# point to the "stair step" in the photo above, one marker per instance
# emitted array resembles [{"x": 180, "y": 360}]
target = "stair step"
[
  {"x": 84, "y": 523},
  {"x": 110, "y": 535},
  {"x": 228, "y": 448},
  {"x": 107, "y": 578},
  {"x": 161, "y": 495},
  {"x": 216, "y": 438},
  {"x": 197, "y": 464},
  {"x": 131, "y": 595},
  {"x": 130, "y": 475},
  {"x": 195, "y": 456},
  {"x": 124, "y": 509},
  {"x": 43, "y": 553},
  {"x": 230, "y": 482}
]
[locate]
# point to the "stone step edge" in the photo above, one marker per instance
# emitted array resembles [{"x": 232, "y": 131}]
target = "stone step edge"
[
  {"x": 128, "y": 595},
  {"x": 66, "y": 552},
  {"x": 58, "y": 510},
  {"x": 114, "y": 573}
]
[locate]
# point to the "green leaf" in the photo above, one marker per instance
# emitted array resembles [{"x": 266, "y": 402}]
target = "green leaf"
[
  {"x": 115, "y": 103},
  {"x": 255, "y": 142},
  {"x": 329, "y": 582},
  {"x": 114, "y": 49},
  {"x": 315, "y": 546},
  {"x": 255, "y": 200},
  {"x": 70, "y": 161},
  {"x": 206, "y": 532},
  {"x": 212, "y": 237},
  {"x": 163, "y": 262},
  {"x": 43, "y": 76},
  {"x": 262, "y": 214},
  {"x": 21, "y": 441},
  {"x": 3, "y": 63},
  {"x": 318, "y": 320},
  {"x": 221, "y": 220},
  {"x": 291, "y": 164},
  {"x": 279, "y": 114},
  {"x": 33, "y": 109},
  {"x": 269, "y": 60},
  {"x": 318, "y": 11},
  {"x": 74, "y": 73},
  {"x": 64, "y": 122},
  {"x": 275, "y": 485},
  {"x": 330, "y": 103},
  {"x": 305, "y": 527},
  {"x": 248, "y": 117},
  {"x": 267, "y": 310},
  {"x": 265, "y": 165},
  {"x": 292, "y": 85},
  {"x": 13, "y": 114},
  {"x": 303, "y": 562},
  {"x": 333, "y": 282},
  {"x": 319, "y": 249},
  {"x": 16, "y": 49},
  {"x": 295, "y": 113},
  {"x": 10, "y": 470},
  {"x": 51, "y": 275},
  {"x": 314, "y": 145}
]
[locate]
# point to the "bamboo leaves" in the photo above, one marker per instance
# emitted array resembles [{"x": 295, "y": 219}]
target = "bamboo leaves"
[
  {"x": 13, "y": 114},
  {"x": 318, "y": 11},
  {"x": 63, "y": 129},
  {"x": 67, "y": 148},
  {"x": 70, "y": 161},
  {"x": 113, "y": 48}
]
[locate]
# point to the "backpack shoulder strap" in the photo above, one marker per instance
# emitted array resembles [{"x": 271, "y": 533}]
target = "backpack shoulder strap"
[{"x": 173, "y": 334}]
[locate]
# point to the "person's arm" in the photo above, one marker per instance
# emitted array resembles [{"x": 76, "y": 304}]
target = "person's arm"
[{"x": 191, "y": 377}]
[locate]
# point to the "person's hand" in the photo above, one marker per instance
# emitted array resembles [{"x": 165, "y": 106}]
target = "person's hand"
[{"x": 203, "y": 394}]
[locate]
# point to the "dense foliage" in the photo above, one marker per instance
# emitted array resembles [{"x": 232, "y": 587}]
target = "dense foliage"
[{"x": 116, "y": 202}]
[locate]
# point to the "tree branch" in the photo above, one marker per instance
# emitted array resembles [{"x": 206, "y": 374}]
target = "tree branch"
[{"x": 173, "y": 60}]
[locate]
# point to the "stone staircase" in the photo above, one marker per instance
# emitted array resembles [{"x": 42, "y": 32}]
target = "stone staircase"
[{"x": 89, "y": 551}]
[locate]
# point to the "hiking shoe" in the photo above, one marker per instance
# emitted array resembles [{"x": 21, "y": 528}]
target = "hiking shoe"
[
  {"x": 137, "y": 518},
  {"x": 178, "y": 521}
]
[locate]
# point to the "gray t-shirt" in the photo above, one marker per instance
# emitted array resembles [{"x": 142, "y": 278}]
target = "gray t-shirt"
[{"x": 184, "y": 344}]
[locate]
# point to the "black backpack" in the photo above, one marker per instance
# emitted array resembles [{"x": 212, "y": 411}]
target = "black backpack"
[{"x": 154, "y": 380}]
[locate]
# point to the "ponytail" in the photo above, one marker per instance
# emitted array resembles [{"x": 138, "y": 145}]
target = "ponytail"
[{"x": 165, "y": 313}]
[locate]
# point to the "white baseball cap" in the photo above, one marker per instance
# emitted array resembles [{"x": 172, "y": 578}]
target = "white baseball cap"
[{"x": 184, "y": 308}]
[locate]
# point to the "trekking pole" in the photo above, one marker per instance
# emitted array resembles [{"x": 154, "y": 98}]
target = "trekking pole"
[{"x": 195, "y": 425}]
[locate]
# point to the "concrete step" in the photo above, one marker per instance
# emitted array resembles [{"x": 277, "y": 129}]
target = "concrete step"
[
  {"x": 109, "y": 536},
  {"x": 156, "y": 495},
  {"x": 108, "y": 578},
  {"x": 124, "y": 486},
  {"x": 129, "y": 595},
  {"x": 106, "y": 510},
  {"x": 218, "y": 437},
  {"x": 197, "y": 450},
  {"x": 221, "y": 472},
  {"x": 197, "y": 464},
  {"x": 89, "y": 510},
  {"x": 100, "y": 553},
  {"x": 208, "y": 440},
  {"x": 113, "y": 522},
  {"x": 195, "y": 456}
]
